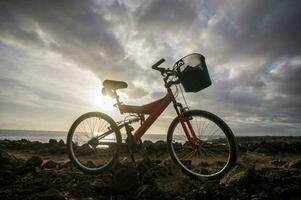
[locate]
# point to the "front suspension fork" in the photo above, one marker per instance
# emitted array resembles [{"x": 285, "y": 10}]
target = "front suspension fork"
[
  {"x": 188, "y": 129},
  {"x": 186, "y": 125}
]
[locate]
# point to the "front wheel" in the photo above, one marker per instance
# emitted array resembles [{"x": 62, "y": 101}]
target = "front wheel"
[
  {"x": 213, "y": 150},
  {"x": 93, "y": 141}
]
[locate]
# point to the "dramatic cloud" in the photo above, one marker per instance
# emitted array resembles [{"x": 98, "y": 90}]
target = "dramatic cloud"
[{"x": 53, "y": 54}]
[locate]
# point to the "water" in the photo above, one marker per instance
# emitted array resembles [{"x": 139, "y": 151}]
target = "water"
[{"x": 44, "y": 136}]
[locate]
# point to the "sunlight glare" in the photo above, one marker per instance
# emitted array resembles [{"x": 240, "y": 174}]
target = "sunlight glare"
[{"x": 100, "y": 101}]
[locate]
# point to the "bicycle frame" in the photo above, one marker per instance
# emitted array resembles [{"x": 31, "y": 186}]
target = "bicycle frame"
[{"x": 154, "y": 110}]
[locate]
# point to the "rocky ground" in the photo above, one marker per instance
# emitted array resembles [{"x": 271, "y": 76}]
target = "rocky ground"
[{"x": 268, "y": 168}]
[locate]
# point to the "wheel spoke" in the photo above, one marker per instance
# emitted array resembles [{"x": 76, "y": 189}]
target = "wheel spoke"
[
  {"x": 90, "y": 153},
  {"x": 210, "y": 155}
]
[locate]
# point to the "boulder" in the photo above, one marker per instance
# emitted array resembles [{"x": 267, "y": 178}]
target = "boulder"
[
  {"x": 52, "y": 141},
  {"x": 125, "y": 178},
  {"x": 160, "y": 145},
  {"x": 61, "y": 142},
  {"x": 296, "y": 164},
  {"x": 34, "y": 161},
  {"x": 50, "y": 164},
  {"x": 7, "y": 161},
  {"x": 147, "y": 145},
  {"x": 239, "y": 175}
]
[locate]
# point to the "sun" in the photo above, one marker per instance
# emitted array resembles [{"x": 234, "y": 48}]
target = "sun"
[
  {"x": 105, "y": 102},
  {"x": 100, "y": 101}
]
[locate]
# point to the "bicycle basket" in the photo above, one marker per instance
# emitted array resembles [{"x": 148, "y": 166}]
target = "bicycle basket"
[{"x": 192, "y": 72}]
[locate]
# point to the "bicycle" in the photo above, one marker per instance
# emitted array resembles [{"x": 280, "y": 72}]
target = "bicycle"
[{"x": 201, "y": 143}]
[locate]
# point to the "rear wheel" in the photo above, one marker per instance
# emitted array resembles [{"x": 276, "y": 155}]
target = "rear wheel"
[
  {"x": 93, "y": 141},
  {"x": 214, "y": 152}
]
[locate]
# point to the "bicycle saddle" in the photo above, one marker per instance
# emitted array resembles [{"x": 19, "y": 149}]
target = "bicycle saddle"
[{"x": 113, "y": 85}]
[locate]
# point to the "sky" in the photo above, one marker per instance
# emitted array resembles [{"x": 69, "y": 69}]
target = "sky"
[{"x": 54, "y": 56}]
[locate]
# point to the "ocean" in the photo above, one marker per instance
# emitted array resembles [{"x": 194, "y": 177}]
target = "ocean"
[{"x": 44, "y": 136}]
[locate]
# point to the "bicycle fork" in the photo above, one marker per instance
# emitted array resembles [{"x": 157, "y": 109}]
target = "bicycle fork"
[
  {"x": 186, "y": 125},
  {"x": 188, "y": 129}
]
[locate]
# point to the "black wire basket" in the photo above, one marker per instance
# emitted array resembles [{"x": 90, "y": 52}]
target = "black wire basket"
[{"x": 193, "y": 73}]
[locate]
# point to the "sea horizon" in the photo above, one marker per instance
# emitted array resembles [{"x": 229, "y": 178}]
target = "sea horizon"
[{"x": 46, "y": 135}]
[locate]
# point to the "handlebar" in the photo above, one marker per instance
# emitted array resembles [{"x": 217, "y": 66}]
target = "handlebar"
[
  {"x": 166, "y": 73},
  {"x": 155, "y": 66}
]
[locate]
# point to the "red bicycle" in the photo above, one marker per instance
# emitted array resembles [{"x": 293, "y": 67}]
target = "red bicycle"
[{"x": 198, "y": 141}]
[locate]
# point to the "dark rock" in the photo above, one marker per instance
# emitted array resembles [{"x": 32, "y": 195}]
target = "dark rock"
[
  {"x": 2, "y": 146},
  {"x": 7, "y": 177},
  {"x": 65, "y": 165},
  {"x": 83, "y": 188},
  {"x": 34, "y": 161},
  {"x": 51, "y": 194},
  {"x": 147, "y": 146},
  {"x": 146, "y": 192},
  {"x": 177, "y": 146},
  {"x": 169, "y": 166},
  {"x": 90, "y": 164},
  {"x": 7, "y": 161},
  {"x": 101, "y": 187},
  {"x": 61, "y": 142},
  {"x": 24, "y": 169},
  {"x": 151, "y": 179},
  {"x": 85, "y": 149},
  {"x": 160, "y": 146},
  {"x": 261, "y": 196},
  {"x": 171, "y": 184},
  {"x": 125, "y": 178},
  {"x": 295, "y": 164},
  {"x": 52, "y": 141},
  {"x": 50, "y": 164},
  {"x": 145, "y": 165},
  {"x": 239, "y": 175},
  {"x": 273, "y": 147},
  {"x": 278, "y": 163},
  {"x": 208, "y": 190},
  {"x": 203, "y": 164},
  {"x": 291, "y": 192},
  {"x": 152, "y": 173}
]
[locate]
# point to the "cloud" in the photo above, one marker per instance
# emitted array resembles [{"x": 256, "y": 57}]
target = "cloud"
[
  {"x": 72, "y": 29},
  {"x": 252, "y": 51}
]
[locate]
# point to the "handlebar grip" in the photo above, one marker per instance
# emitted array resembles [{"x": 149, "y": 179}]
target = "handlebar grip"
[{"x": 158, "y": 63}]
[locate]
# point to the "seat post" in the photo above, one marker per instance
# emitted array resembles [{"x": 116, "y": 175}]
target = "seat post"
[{"x": 117, "y": 97}]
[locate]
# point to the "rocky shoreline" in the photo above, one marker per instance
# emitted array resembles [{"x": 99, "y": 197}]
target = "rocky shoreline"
[{"x": 267, "y": 168}]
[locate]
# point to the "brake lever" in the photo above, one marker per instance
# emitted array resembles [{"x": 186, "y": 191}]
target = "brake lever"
[{"x": 170, "y": 83}]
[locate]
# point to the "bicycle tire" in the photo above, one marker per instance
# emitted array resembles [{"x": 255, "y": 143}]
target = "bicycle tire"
[
  {"x": 74, "y": 158},
  {"x": 226, "y": 130}
]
